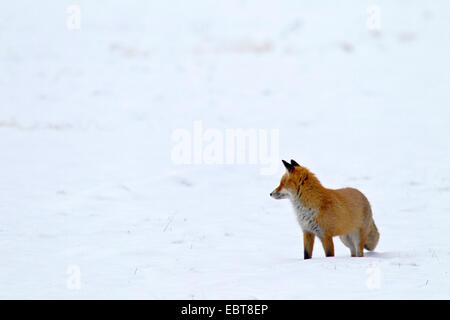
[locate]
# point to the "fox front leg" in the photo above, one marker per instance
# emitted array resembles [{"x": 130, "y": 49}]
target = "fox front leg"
[
  {"x": 328, "y": 246},
  {"x": 308, "y": 244}
]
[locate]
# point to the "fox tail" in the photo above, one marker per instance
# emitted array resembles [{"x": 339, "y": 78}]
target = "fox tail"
[{"x": 373, "y": 237}]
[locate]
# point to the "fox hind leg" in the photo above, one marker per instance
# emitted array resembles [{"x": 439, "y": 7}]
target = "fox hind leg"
[
  {"x": 354, "y": 242},
  {"x": 358, "y": 239},
  {"x": 348, "y": 242},
  {"x": 360, "y": 245}
]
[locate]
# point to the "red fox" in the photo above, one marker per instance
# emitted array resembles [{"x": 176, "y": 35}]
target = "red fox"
[{"x": 326, "y": 213}]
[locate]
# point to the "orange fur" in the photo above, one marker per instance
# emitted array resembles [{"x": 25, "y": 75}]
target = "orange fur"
[{"x": 341, "y": 212}]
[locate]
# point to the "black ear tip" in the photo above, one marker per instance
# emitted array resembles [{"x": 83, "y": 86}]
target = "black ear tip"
[
  {"x": 288, "y": 166},
  {"x": 294, "y": 163}
]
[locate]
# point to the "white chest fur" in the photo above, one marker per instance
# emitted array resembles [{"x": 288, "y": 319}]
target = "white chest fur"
[{"x": 306, "y": 217}]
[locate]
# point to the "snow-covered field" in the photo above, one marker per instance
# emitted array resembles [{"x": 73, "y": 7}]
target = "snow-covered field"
[{"x": 92, "y": 204}]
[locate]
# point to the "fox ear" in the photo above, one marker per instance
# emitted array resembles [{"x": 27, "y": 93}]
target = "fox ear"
[
  {"x": 288, "y": 166},
  {"x": 294, "y": 163}
]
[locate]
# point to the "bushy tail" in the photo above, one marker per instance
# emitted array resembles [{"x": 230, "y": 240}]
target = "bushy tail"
[{"x": 372, "y": 238}]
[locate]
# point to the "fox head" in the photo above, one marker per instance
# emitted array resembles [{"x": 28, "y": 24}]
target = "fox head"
[{"x": 291, "y": 181}]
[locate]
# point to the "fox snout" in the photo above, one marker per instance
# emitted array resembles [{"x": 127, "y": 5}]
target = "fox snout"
[
  {"x": 278, "y": 195},
  {"x": 275, "y": 194}
]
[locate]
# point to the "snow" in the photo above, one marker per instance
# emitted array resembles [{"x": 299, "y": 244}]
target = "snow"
[{"x": 88, "y": 182}]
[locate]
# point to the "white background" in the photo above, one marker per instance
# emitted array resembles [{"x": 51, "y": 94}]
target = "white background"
[{"x": 86, "y": 117}]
